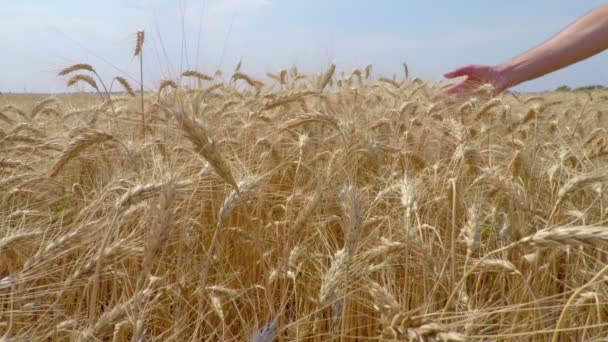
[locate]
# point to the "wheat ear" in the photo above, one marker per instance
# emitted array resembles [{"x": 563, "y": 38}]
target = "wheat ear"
[
  {"x": 125, "y": 84},
  {"x": 76, "y": 67},
  {"x": 83, "y": 78},
  {"x": 205, "y": 146},
  {"x": 198, "y": 75},
  {"x": 77, "y": 146}
]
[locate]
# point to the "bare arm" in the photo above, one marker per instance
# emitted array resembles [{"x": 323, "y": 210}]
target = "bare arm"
[{"x": 582, "y": 39}]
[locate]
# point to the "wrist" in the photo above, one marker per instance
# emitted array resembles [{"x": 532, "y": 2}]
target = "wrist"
[{"x": 505, "y": 77}]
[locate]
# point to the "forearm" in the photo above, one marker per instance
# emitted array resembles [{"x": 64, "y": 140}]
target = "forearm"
[{"x": 582, "y": 39}]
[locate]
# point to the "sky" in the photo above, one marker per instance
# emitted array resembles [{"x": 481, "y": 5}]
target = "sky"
[{"x": 40, "y": 37}]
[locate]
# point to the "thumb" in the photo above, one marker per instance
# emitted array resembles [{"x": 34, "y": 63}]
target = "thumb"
[{"x": 464, "y": 71}]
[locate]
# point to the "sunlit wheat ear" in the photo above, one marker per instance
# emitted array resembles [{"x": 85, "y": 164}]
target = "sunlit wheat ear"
[
  {"x": 204, "y": 145},
  {"x": 240, "y": 192},
  {"x": 243, "y": 189},
  {"x": 308, "y": 209},
  {"x": 468, "y": 156},
  {"x": 385, "y": 248},
  {"x": 13, "y": 164},
  {"x": 568, "y": 236},
  {"x": 122, "y": 330},
  {"x": 472, "y": 230},
  {"x": 61, "y": 242},
  {"x": 487, "y": 107},
  {"x": 13, "y": 241},
  {"x": 125, "y": 84},
  {"x": 594, "y": 135},
  {"x": 465, "y": 108},
  {"x": 409, "y": 196},
  {"x": 83, "y": 78},
  {"x": 327, "y": 76},
  {"x": 76, "y": 67},
  {"x": 308, "y": 118},
  {"x": 334, "y": 278},
  {"x": 351, "y": 217},
  {"x": 287, "y": 99},
  {"x": 144, "y": 191},
  {"x": 514, "y": 191},
  {"x": 113, "y": 252},
  {"x": 408, "y": 107},
  {"x": 249, "y": 80},
  {"x": 161, "y": 227},
  {"x": 40, "y": 106},
  {"x": 533, "y": 99},
  {"x": 580, "y": 182},
  {"x": 21, "y": 138},
  {"x": 384, "y": 301},
  {"x": 167, "y": 84},
  {"x": 5, "y": 118},
  {"x": 115, "y": 315},
  {"x": 389, "y": 82},
  {"x": 78, "y": 145},
  {"x": 11, "y": 108},
  {"x": 216, "y": 306},
  {"x": 198, "y": 75},
  {"x": 496, "y": 265},
  {"x": 403, "y": 327},
  {"x": 530, "y": 115}
]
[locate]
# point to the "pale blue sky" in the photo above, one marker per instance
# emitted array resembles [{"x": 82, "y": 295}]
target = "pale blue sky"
[{"x": 39, "y": 37}]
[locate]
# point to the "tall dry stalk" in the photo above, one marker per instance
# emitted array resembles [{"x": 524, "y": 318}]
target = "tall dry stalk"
[{"x": 139, "y": 52}]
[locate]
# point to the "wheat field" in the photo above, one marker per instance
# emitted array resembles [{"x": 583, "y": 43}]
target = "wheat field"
[{"x": 330, "y": 207}]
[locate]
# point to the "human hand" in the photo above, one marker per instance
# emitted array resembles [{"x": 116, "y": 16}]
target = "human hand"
[{"x": 475, "y": 77}]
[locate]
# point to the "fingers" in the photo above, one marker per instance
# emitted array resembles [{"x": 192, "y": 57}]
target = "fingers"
[
  {"x": 457, "y": 89},
  {"x": 464, "y": 71}
]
